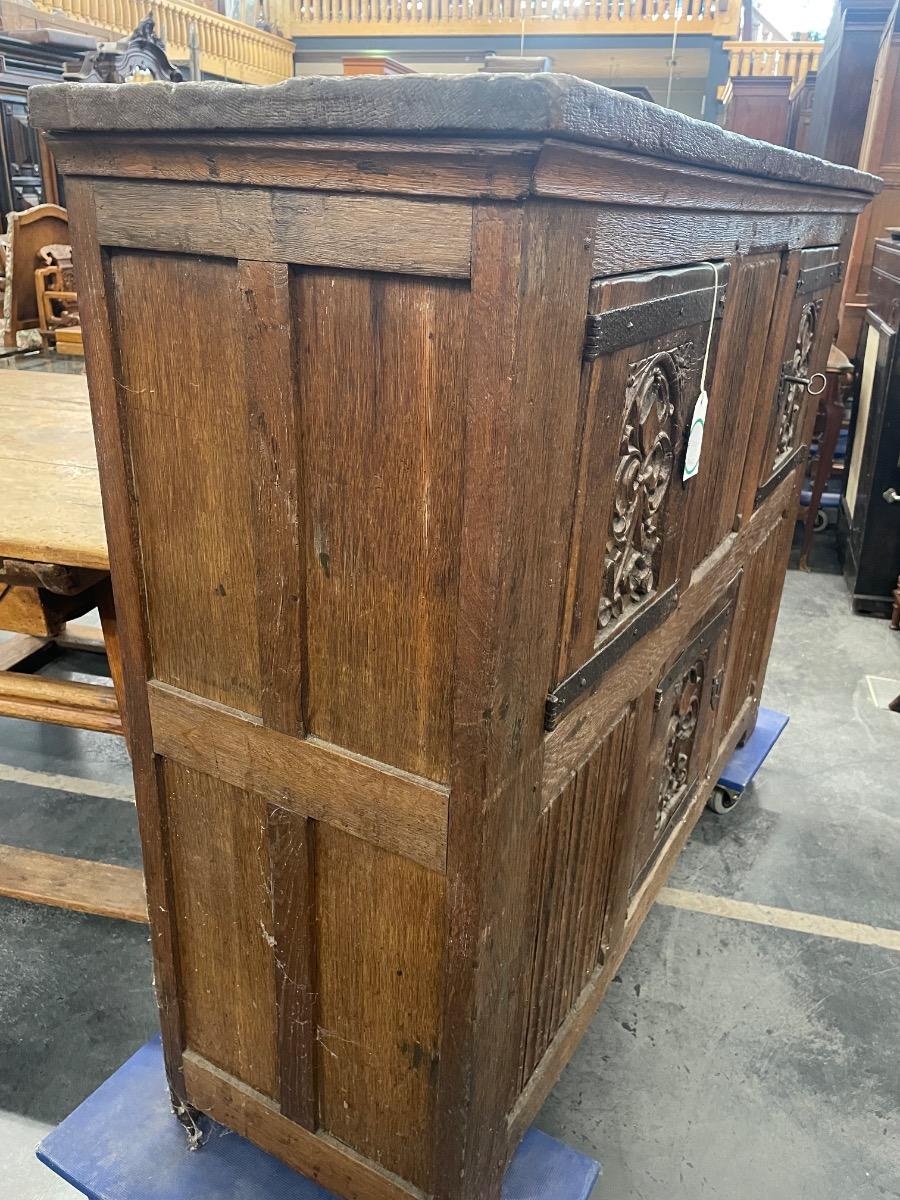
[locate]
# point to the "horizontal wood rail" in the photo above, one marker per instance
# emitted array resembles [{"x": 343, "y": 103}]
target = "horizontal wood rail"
[
  {"x": 449, "y": 18},
  {"x": 759, "y": 59},
  {"x": 228, "y": 48},
  {"x": 378, "y": 803},
  {"x": 74, "y": 883},
  {"x": 59, "y": 701}
]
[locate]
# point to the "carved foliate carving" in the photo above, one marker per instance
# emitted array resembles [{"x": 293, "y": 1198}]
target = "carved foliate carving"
[
  {"x": 792, "y": 398},
  {"x": 681, "y": 734},
  {"x": 653, "y": 396}
]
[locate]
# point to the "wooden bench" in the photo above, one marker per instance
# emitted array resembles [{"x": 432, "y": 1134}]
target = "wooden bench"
[{"x": 54, "y": 568}]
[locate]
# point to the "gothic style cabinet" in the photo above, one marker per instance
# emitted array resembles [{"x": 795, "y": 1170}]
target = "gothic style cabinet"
[{"x": 438, "y": 616}]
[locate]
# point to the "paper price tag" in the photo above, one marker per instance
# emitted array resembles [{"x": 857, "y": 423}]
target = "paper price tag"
[{"x": 695, "y": 437}]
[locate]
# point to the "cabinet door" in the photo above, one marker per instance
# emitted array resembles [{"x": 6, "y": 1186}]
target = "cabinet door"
[
  {"x": 805, "y": 355},
  {"x": 685, "y": 706},
  {"x": 646, "y": 343}
]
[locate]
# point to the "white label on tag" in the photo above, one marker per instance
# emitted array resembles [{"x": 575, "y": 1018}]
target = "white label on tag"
[{"x": 695, "y": 437}]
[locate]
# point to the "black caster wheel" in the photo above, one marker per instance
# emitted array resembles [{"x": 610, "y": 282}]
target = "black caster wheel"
[
  {"x": 722, "y": 801},
  {"x": 821, "y": 521}
]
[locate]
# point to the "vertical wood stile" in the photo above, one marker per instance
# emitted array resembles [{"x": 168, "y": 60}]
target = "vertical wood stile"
[
  {"x": 292, "y": 867},
  {"x": 274, "y": 490},
  {"x": 525, "y": 265},
  {"x": 113, "y": 459}
]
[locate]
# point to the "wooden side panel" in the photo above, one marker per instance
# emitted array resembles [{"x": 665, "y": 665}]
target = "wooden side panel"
[
  {"x": 380, "y": 924},
  {"x": 220, "y": 871},
  {"x": 381, "y": 409},
  {"x": 182, "y": 389},
  {"x": 574, "y": 869},
  {"x": 745, "y": 335}
]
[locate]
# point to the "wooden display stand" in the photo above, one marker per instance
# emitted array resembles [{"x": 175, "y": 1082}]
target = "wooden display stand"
[{"x": 432, "y": 654}]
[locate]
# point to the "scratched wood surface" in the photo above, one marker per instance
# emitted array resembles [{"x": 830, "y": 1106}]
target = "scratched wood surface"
[
  {"x": 368, "y": 506},
  {"x": 51, "y": 509}
]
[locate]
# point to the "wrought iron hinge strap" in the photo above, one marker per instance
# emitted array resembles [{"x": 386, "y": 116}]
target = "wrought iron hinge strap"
[
  {"x": 814, "y": 279},
  {"x": 637, "y": 323}
]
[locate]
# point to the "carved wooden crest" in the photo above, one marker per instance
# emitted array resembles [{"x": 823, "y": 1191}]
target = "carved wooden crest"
[{"x": 139, "y": 58}]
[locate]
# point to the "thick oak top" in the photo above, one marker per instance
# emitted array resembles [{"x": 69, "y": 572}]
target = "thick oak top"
[{"x": 545, "y": 105}]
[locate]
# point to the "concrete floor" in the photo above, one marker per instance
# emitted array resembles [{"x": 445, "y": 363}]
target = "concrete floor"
[{"x": 730, "y": 1060}]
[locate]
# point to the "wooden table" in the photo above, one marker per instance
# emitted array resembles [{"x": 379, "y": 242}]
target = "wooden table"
[{"x": 54, "y": 567}]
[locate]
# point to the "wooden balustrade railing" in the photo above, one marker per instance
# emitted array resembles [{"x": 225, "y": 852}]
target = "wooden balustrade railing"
[
  {"x": 227, "y": 48},
  {"x": 361, "y": 18},
  {"x": 795, "y": 59}
]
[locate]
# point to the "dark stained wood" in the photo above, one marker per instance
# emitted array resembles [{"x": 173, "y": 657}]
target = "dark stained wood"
[
  {"x": 626, "y": 549},
  {"x": 425, "y": 167},
  {"x": 733, "y": 395},
  {"x": 672, "y": 239},
  {"x": 759, "y": 107},
  {"x": 570, "y": 170},
  {"x": 292, "y": 869},
  {"x": 362, "y": 487},
  {"x": 880, "y": 152},
  {"x": 844, "y": 80},
  {"x": 274, "y": 498},
  {"x": 511, "y": 105}
]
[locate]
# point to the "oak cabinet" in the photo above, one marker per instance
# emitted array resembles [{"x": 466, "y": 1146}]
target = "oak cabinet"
[{"x": 433, "y": 647}]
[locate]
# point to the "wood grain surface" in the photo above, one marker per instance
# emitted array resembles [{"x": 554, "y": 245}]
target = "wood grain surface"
[
  {"x": 504, "y": 105},
  {"x": 51, "y": 508},
  {"x": 358, "y": 481},
  {"x": 378, "y": 233}
]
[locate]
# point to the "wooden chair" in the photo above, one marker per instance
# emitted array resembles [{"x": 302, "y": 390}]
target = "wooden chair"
[
  {"x": 44, "y": 225},
  {"x": 57, "y": 300}
]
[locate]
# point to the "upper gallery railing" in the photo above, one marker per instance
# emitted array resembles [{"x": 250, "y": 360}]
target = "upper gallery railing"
[
  {"x": 227, "y": 48},
  {"x": 448, "y": 18},
  {"x": 795, "y": 59}
]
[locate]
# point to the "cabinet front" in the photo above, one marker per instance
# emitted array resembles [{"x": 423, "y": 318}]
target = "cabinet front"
[{"x": 651, "y": 345}]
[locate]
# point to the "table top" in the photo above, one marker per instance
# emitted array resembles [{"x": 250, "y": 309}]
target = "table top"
[{"x": 49, "y": 487}]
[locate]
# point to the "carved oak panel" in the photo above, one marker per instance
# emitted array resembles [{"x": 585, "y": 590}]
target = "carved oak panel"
[
  {"x": 645, "y": 350},
  {"x": 807, "y": 342},
  {"x": 654, "y": 399},
  {"x": 685, "y": 706}
]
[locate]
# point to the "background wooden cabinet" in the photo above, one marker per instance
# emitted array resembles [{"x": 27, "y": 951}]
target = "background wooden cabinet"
[{"x": 432, "y": 654}]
